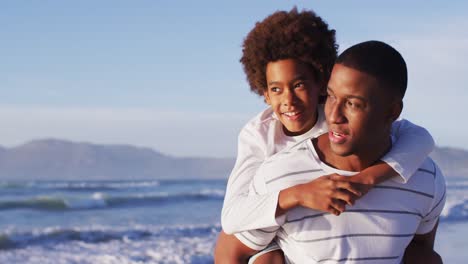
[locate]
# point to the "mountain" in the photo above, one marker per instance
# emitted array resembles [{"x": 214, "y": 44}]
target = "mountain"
[
  {"x": 53, "y": 159},
  {"x": 452, "y": 161}
]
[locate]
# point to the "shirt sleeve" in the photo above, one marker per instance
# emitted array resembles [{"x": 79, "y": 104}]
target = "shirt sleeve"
[
  {"x": 412, "y": 146},
  {"x": 430, "y": 219},
  {"x": 242, "y": 211},
  {"x": 258, "y": 239}
]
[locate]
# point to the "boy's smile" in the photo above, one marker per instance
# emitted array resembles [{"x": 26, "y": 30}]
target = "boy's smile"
[{"x": 292, "y": 93}]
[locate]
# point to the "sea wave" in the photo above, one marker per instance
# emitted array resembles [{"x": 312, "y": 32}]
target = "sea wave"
[
  {"x": 13, "y": 239},
  {"x": 80, "y": 185},
  {"x": 101, "y": 200}
]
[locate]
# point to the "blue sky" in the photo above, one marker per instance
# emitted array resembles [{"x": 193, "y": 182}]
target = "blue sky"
[{"x": 166, "y": 74}]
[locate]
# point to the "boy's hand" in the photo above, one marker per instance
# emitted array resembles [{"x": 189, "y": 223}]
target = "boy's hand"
[
  {"x": 323, "y": 194},
  {"x": 358, "y": 181}
]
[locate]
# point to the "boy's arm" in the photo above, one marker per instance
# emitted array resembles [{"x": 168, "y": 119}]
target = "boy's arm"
[
  {"x": 411, "y": 147},
  {"x": 247, "y": 209},
  {"x": 242, "y": 211},
  {"x": 238, "y": 247},
  {"x": 323, "y": 193}
]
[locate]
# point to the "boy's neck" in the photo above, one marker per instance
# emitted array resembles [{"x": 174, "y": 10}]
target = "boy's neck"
[{"x": 292, "y": 134}]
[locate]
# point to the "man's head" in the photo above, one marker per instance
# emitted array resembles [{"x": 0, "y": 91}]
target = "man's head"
[
  {"x": 288, "y": 58},
  {"x": 365, "y": 95}
]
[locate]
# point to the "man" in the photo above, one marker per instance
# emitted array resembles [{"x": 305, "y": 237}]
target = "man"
[{"x": 365, "y": 95}]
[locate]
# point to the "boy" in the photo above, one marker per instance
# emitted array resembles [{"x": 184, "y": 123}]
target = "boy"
[{"x": 287, "y": 59}]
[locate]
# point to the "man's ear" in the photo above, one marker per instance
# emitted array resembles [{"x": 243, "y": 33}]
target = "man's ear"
[
  {"x": 266, "y": 97},
  {"x": 395, "y": 110}
]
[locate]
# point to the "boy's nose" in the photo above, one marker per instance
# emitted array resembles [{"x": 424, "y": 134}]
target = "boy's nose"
[{"x": 288, "y": 97}]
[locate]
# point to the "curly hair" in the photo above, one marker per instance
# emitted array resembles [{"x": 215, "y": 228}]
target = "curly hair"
[{"x": 288, "y": 35}]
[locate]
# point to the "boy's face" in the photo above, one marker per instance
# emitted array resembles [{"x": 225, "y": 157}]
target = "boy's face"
[
  {"x": 359, "y": 113},
  {"x": 292, "y": 93}
]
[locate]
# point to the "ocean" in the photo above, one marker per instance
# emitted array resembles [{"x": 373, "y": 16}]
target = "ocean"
[{"x": 147, "y": 221}]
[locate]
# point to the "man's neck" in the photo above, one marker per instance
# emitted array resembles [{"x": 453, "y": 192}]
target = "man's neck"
[{"x": 354, "y": 162}]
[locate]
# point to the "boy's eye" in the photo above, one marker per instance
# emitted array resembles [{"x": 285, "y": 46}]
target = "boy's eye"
[{"x": 275, "y": 89}]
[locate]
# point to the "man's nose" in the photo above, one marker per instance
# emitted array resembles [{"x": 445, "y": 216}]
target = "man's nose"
[{"x": 336, "y": 115}]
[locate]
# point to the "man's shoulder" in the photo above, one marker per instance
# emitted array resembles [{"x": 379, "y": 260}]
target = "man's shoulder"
[
  {"x": 428, "y": 177},
  {"x": 430, "y": 169}
]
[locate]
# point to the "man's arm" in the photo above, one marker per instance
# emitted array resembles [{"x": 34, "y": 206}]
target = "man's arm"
[{"x": 421, "y": 249}]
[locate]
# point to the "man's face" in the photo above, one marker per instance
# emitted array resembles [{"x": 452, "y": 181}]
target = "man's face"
[
  {"x": 358, "y": 112},
  {"x": 292, "y": 92}
]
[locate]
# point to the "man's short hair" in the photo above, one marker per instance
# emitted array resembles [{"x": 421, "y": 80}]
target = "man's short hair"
[{"x": 379, "y": 60}]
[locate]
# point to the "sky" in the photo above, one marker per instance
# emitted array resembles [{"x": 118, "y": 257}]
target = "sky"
[{"x": 166, "y": 74}]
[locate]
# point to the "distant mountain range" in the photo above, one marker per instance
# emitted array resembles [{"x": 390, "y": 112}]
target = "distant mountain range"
[{"x": 53, "y": 159}]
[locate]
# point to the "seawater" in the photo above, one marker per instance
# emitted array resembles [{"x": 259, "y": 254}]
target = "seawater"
[{"x": 141, "y": 221}]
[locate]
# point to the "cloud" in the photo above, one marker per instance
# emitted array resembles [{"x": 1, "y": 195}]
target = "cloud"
[{"x": 176, "y": 133}]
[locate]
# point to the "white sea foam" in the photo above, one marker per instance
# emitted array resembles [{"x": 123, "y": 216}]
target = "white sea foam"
[
  {"x": 97, "y": 200},
  {"x": 166, "y": 245},
  {"x": 214, "y": 192}
]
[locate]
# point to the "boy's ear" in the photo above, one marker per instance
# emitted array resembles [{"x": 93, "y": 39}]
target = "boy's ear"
[{"x": 266, "y": 97}]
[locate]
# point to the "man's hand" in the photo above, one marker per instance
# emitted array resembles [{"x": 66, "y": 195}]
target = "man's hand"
[{"x": 324, "y": 194}]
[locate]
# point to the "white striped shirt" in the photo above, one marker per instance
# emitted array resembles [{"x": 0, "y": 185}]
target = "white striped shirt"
[{"x": 376, "y": 229}]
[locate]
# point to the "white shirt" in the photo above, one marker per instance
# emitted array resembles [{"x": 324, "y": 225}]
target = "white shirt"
[
  {"x": 377, "y": 228},
  {"x": 263, "y": 136}
]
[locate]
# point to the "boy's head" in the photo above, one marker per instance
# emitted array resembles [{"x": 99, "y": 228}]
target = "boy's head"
[
  {"x": 288, "y": 58},
  {"x": 302, "y": 36},
  {"x": 365, "y": 95}
]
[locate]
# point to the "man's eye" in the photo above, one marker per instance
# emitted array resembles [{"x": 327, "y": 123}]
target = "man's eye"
[
  {"x": 299, "y": 85},
  {"x": 353, "y": 105}
]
